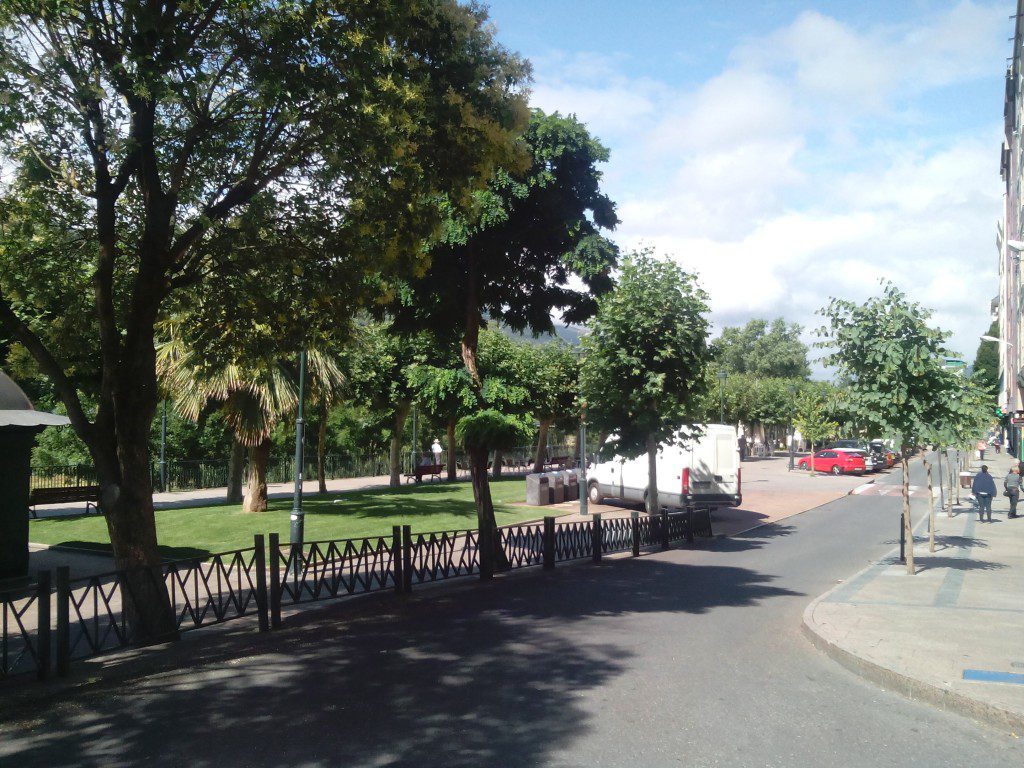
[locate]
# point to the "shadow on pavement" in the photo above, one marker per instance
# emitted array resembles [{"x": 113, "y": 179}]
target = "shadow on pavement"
[{"x": 490, "y": 675}]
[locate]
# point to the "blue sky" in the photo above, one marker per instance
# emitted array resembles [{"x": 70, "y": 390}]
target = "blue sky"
[{"x": 789, "y": 151}]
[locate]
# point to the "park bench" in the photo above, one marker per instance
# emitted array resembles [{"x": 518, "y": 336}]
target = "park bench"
[
  {"x": 557, "y": 462},
  {"x": 424, "y": 470},
  {"x": 90, "y": 494}
]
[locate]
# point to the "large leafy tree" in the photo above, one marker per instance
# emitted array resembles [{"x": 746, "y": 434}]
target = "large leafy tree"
[
  {"x": 139, "y": 133},
  {"x": 553, "y": 382},
  {"x": 892, "y": 360},
  {"x": 645, "y": 361},
  {"x": 533, "y": 246},
  {"x": 986, "y": 360},
  {"x": 763, "y": 349}
]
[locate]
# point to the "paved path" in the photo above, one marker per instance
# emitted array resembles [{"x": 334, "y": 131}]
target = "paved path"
[
  {"x": 953, "y": 633},
  {"x": 688, "y": 657}
]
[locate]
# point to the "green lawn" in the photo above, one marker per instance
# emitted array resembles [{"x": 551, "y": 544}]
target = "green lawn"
[{"x": 199, "y": 531}]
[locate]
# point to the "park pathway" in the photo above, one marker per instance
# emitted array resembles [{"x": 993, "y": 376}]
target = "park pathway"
[{"x": 688, "y": 657}]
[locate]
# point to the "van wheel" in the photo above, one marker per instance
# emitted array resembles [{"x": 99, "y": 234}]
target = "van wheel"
[
  {"x": 836, "y": 470},
  {"x": 594, "y": 493}
]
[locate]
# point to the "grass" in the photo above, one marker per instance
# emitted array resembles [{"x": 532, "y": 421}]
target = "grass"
[{"x": 201, "y": 531}]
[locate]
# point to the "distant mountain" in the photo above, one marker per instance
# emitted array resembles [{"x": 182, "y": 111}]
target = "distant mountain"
[{"x": 570, "y": 334}]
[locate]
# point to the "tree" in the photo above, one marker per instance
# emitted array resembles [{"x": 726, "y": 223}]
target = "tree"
[
  {"x": 645, "y": 361},
  {"x": 553, "y": 384},
  {"x": 763, "y": 350},
  {"x": 812, "y": 419},
  {"x": 893, "y": 361},
  {"x": 138, "y": 133},
  {"x": 536, "y": 228},
  {"x": 986, "y": 361}
]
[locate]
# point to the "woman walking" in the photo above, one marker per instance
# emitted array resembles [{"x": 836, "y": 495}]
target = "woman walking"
[{"x": 1011, "y": 487}]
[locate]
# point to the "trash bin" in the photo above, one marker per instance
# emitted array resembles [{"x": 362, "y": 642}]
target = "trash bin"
[
  {"x": 572, "y": 485},
  {"x": 966, "y": 478},
  {"x": 556, "y": 487},
  {"x": 537, "y": 491}
]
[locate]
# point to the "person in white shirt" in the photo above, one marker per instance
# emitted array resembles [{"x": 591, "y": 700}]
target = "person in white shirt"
[{"x": 436, "y": 448}]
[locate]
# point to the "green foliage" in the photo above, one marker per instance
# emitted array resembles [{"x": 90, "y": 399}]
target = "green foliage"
[
  {"x": 763, "y": 350},
  {"x": 750, "y": 399},
  {"x": 491, "y": 430},
  {"x": 893, "y": 361},
  {"x": 986, "y": 361},
  {"x": 812, "y": 416},
  {"x": 645, "y": 362}
]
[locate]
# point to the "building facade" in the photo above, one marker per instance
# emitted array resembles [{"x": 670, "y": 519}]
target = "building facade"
[{"x": 1010, "y": 237}]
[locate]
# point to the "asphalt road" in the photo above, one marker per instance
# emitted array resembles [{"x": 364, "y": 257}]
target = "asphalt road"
[{"x": 684, "y": 658}]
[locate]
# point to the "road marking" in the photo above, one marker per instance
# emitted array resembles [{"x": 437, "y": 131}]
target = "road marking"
[{"x": 988, "y": 676}]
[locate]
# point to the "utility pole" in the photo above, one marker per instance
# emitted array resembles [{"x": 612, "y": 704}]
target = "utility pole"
[
  {"x": 298, "y": 522},
  {"x": 583, "y": 460}
]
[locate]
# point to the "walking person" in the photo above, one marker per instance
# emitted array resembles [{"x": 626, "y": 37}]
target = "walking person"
[
  {"x": 981, "y": 450},
  {"x": 1011, "y": 487},
  {"x": 436, "y": 450},
  {"x": 984, "y": 488}
]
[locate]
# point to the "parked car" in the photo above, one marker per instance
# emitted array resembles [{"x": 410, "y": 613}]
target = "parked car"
[
  {"x": 882, "y": 453},
  {"x": 836, "y": 462},
  {"x": 870, "y": 465},
  {"x": 705, "y": 471}
]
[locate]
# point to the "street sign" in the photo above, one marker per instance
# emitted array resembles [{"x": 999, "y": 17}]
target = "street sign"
[{"x": 1017, "y": 420}]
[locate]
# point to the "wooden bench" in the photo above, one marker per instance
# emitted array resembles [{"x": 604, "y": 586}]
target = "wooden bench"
[
  {"x": 418, "y": 473},
  {"x": 559, "y": 462},
  {"x": 90, "y": 494}
]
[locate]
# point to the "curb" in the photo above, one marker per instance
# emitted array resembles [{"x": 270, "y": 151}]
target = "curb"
[{"x": 911, "y": 687}]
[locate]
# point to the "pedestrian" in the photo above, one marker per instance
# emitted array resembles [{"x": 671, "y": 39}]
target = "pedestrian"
[
  {"x": 436, "y": 449},
  {"x": 1011, "y": 488},
  {"x": 981, "y": 450},
  {"x": 998, "y": 444},
  {"x": 742, "y": 443},
  {"x": 984, "y": 488}
]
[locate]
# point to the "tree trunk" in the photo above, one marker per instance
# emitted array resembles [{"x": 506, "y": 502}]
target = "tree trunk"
[
  {"x": 256, "y": 494},
  {"x": 401, "y": 411},
  {"x": 236, "y": 467},
  {"x": 496, "y": 466},
  {"x": 453, "y": 473},
  {"x": 908, "y": 528},
  {"x": 321, "y": 446},
  {"x": 931, "y": 510},
  {"x": 542, "y": 444},
  {"x": 812, "y": 458},
  {"x": 492, "y": 554},
  {"x": 653, "y": 505}
]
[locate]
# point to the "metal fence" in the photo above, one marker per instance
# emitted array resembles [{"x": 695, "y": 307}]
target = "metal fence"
[{"x": 91, "y": 613}]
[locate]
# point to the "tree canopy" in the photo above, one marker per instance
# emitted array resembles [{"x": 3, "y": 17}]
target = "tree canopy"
[
  {"x": 986, "y": 360},
  {"x": 763, "y": 350}
]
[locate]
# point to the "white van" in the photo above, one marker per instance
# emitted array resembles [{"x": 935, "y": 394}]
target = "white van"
[{"x": 703, "y": 472}]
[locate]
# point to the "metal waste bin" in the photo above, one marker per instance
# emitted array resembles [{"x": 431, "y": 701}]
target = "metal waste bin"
[
  {"x": 537, "y": 492},
  {"x": 966, "y": 478},
  {"x": 556, "y": 487},
  {"x": 572, "y": 485}
]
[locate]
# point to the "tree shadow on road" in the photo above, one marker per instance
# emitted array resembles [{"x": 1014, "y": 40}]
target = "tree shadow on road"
[{"x": 491, "y": 675}]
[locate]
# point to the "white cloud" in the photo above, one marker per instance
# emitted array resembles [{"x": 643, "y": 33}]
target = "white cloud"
[{"x": 795, "y": 174}]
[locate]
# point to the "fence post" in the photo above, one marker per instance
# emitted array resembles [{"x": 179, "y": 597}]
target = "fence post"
[
  {"x": 275, "y": 581},
  {"x": 397, "y": 557},
  {"x": 63, "y": 620},
  {"x": 690, "y": 509},
  {"x": 596, "y": 538},
  {"x": 407, "y": 559},
  {"x": 43, "y": 584},
  {"x": 664, "y": 529},
  {"x": 549, "y": 543},
  {"x": 260, "y": 557},
  {"x": 634, "y": 519}
]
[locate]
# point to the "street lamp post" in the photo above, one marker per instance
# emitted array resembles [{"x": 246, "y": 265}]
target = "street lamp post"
[
  {"x": 722, "y": 375},
  {"x": 297, "y": 531},
  {"x": 583, "y": 460},
  {"x": 792, "y": 430},
  {"x": 163, "y": 448}
]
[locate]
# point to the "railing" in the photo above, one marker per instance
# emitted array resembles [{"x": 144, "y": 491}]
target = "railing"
[
  {"x": 91, "y": 615},
  {"x": 25, "y": 629},
  {"x": 70, "y": 476}
]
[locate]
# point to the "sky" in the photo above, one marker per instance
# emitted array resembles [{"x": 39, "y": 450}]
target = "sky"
[{"x": 788, "y": 152}]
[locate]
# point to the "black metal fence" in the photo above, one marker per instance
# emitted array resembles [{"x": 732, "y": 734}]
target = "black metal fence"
[{"x": 91, "y": 615}]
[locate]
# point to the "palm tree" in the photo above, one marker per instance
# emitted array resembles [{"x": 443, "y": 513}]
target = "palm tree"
[{"x": 253, "y": 394}]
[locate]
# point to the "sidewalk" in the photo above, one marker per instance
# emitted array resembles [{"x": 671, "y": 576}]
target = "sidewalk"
[{"x": 951, "y": 635}]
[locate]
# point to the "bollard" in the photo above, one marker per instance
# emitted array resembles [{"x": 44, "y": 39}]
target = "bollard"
[
  {"x": 275, "y": 581},
  {"x": 664, "y": 529},
  {"x": 63, "y": 621},
  {"x": 597, "y": 538},
  {"x": 634, "y": 519},
  {"x": 43, "y": 584},
  {"x": 260, "y": 558},
  {"x": 549, "y": 543}
]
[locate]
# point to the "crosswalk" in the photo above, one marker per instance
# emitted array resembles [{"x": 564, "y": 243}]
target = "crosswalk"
[{"x": 885, "y": 489}]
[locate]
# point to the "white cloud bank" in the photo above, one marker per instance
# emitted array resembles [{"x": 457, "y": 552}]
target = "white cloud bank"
[{"x": 811, "y": 165}]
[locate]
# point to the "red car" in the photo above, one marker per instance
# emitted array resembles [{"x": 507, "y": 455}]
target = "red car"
[{"x": 836, "y": 462}]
